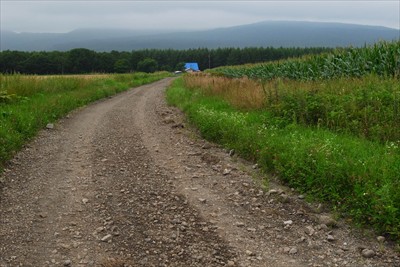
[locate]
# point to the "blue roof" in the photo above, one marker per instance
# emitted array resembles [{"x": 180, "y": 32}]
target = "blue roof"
[{"x": 193, "y": 66}]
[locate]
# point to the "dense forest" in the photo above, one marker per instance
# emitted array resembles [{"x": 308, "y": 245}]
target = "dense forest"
[{"x": 81, "y": 60}]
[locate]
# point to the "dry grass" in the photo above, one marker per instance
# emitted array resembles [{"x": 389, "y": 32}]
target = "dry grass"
[
  {"x": 245, "y": 93},
  {"x": 82, "y": 76},
  {"x": 242, "y": 93}
]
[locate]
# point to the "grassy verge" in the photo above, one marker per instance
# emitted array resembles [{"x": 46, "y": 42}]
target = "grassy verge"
[
  {"x": 28, "y": 103},
  {"x": 367, "y": 107},
  {"x": 357, "y": 177}
]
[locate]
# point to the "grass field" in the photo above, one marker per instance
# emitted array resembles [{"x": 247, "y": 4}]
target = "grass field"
[
  {"x": 335, "y": 139},
  {"x": 367, "y": 107},
  {"x": 28, "y": 103}
]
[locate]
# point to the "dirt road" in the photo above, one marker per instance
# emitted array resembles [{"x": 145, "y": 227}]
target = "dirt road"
[{"x": 124, "y": 182}]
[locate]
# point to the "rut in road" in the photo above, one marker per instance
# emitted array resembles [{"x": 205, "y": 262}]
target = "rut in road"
[{"x": 122, "y": 182}]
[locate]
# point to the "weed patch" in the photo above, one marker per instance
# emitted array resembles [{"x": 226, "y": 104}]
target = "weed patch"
[{"x": 367, "y": 107}]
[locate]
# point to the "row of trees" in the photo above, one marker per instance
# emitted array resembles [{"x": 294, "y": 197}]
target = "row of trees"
[{"x": 81, "y": 60}]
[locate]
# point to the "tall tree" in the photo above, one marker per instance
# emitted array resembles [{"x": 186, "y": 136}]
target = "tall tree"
[
  {"x": 148, "y": 65},
  {"x": 81, "y": 60},
  {"x": 122, "y": 66}
]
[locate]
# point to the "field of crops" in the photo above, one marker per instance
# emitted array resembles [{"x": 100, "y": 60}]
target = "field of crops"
[
  {"x": 327, "y": 125},
  {"x": 382, "y": 59}
]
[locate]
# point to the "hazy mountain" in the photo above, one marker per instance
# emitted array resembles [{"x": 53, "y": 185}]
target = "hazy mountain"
[
  {"x": 49, "y": 41},
  {"x": 276, "y": 33}
]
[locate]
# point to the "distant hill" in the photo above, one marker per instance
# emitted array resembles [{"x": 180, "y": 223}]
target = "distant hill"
[{"x": 270, "y": 33}]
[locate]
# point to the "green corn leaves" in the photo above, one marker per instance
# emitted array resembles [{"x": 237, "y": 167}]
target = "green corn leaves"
[{"x": 382, "y": 59}]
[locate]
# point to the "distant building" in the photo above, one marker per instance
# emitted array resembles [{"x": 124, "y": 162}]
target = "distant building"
[{"x": 191, "y": 67}]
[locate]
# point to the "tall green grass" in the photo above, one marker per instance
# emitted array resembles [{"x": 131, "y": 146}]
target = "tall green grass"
[
  {"x": 28, "y": 103},
  {"x": 367, "y": 107},
  {"x": 357, "y": 177}
]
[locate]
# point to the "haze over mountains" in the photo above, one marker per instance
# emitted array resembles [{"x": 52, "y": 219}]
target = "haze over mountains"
[{"x": 263, "y": 34}]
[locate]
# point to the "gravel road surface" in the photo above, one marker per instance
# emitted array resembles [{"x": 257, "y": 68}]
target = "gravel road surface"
[{"x": 126, "y": 182}]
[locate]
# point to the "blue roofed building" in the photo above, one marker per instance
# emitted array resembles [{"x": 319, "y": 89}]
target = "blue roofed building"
[{"x": 191, "y": 67}]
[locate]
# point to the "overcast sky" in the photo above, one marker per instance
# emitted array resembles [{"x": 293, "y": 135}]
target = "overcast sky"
[{"x": 64, "y": 16}]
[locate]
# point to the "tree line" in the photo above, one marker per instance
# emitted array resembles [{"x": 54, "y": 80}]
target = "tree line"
[{"x": 81, "y": 60}]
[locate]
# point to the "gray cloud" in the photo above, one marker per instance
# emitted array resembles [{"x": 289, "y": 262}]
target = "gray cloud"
[{"x": 62, "y": 16}]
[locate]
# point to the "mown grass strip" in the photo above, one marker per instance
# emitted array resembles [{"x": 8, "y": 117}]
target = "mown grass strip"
[
  {"x": 357, "y": 177},
  {"x": 28, "y": 103}
]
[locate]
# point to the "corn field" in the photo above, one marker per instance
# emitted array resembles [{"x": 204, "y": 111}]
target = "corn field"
[{"x": 382, "y": 59}]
